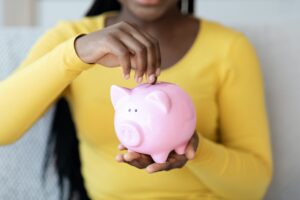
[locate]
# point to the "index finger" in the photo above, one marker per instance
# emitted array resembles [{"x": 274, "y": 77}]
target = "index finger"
[
  {"x": 157, "y": 52},
  {"x": 154, "y": 55}
]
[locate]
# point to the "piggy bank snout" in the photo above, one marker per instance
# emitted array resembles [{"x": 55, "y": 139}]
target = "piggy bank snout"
[{"x": 130, "y": 134}]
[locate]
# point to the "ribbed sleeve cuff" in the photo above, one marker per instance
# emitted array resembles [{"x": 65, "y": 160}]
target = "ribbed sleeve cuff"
[{"x": 71, "y": 59}]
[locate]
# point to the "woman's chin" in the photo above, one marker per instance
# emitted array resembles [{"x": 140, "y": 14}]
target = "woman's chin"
[{"x": 148, "y": 15}]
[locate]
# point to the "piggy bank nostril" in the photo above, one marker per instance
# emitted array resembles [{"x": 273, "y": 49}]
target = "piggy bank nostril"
[{"x": 130, "y": 134}]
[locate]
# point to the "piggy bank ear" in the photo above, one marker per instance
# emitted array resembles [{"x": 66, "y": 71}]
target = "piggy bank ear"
[
  {"x": 118, "y": 94},
  {"x": 160, "y": 99}
]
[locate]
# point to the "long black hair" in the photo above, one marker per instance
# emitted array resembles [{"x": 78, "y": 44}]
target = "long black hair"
[{"x": 63, "y": 144}]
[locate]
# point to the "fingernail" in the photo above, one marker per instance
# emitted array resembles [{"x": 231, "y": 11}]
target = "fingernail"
[
  {"x": 118, "y": 158},
  {"x": 128, "y": 158},
  {"x": 126, "y": 76},
  {"x": 149, "y": 170},
  {"x": 140, "y": 79},
  {"x": 157, "y": 72},
  {"x": 191, "y": 155},
  {"x": 151, "y": 78}
]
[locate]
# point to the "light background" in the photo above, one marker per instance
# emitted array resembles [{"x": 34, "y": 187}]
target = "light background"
[
  {"x": 280, "y": 41},
  {"x": 48, "y": 12}
]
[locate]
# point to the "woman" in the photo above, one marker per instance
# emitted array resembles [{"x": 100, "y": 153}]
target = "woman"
[{"x": 78, "y": 61}]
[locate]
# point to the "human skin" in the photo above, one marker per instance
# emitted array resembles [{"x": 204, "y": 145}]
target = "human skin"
[{"x": 139, "y": 38}]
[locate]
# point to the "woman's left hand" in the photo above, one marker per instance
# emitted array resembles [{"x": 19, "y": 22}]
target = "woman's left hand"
[{"x": 174, "y": 160}]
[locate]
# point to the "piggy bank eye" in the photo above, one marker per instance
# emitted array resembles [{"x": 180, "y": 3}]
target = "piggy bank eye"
[
  {"x": 129, "y": 110},
  {"x": 135, "y": 110}
]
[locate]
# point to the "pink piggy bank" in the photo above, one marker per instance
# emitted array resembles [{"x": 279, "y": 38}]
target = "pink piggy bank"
[{"x": 153, "y": 119}]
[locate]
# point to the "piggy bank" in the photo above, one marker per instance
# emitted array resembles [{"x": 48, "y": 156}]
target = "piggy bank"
[{"x": 153, "y": 119}]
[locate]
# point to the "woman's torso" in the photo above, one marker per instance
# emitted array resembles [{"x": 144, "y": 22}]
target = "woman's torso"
[{"x": 197, "y": 72}]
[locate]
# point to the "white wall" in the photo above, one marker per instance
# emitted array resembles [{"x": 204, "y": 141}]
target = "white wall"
[
  {"x": 49, "y": 12},
  {"x": 1, "y": 13},
  {"x": 249, "y": 11},
  {"x": 231, "y": 12}
]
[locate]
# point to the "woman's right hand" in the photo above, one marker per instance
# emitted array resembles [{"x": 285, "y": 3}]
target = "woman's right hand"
[{"x": 125, "y": 45}]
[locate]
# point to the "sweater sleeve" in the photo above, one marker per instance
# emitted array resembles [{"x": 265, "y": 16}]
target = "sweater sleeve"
[
  {"x": 44, "y": 75},
  {"x": 240, "y": 165}
]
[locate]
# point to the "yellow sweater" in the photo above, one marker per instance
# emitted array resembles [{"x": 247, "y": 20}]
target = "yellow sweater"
[{"x": 221, "y": 74}]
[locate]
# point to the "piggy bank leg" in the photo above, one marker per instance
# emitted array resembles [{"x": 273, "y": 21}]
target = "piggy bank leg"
[
  {"x": 160, "y": 157},
  {"x": 181, "y": 149}
]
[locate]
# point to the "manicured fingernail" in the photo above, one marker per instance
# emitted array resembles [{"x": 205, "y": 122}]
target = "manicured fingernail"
[
  {"x": 157, "y": 72},
  {"x": 151, "y": 78},
  {"x": 191, "y": 155},
  {"x": 127, "y": 157},
  {"x": 119, "y": 158},
  {"x": 140, "y": 79},
  {"x": 126, "y": 76},
  {"x": 149, "y": 169}
]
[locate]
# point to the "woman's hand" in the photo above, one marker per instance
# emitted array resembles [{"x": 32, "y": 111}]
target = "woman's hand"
[
  {"x": 174, "y": 161},
  {"x": 122, "y": 44}
]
